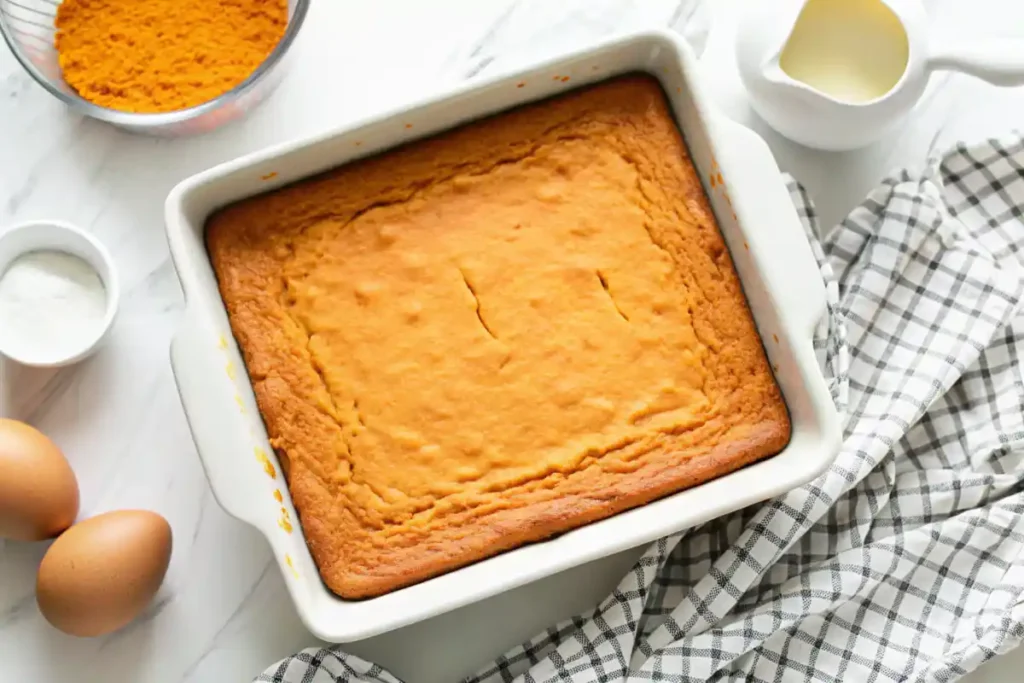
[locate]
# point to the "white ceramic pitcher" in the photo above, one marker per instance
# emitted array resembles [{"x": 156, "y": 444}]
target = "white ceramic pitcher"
[{"x": 830, "y": 121}]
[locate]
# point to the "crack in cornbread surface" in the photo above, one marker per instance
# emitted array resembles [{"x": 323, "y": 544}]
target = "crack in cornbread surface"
[{"x": 495, "y": 335}]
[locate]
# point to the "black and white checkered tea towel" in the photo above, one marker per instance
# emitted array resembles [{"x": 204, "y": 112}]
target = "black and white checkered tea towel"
[{"x": 905, "y": 561}]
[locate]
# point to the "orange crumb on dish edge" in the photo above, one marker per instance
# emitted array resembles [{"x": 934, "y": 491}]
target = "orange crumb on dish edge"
[
  {"x": 284, "y": 522},
  {"x": 278, "y": 496},
  {"x": 521, "y": 85},
  {"x": 408, "y": 125},
  {"x": 269, "y": 176},
  {"x": 291, "y": 565},
  {"x": 565, "y": 79},
  {"x": 268, "y": 466}
]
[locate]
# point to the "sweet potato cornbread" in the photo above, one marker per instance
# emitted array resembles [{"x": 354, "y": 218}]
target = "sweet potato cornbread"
[{"x": 495, "y": 335}]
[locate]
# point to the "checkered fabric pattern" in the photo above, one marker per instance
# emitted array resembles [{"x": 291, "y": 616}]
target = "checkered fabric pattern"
[{"x": 905, "y": 560}]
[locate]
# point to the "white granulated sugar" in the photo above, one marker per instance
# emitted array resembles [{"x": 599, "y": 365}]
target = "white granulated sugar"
[{"x": 52, "y": 305}]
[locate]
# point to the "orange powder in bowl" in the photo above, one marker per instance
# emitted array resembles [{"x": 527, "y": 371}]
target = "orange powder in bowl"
[{"x": 148, "y": 56}]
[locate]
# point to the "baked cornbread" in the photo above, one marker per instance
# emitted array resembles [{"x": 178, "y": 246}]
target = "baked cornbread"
[{"x": 495, "y": 335}]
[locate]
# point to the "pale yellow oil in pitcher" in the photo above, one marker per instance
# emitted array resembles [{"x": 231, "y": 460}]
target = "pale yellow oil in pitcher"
[{"x": 852, "y": 50}]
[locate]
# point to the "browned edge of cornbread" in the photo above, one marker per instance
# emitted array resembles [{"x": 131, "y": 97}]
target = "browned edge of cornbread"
[{"x": 505, "y": 529}]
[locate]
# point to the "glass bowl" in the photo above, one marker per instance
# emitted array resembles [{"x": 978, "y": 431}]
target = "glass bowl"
[{"x": 27, "y": 27}]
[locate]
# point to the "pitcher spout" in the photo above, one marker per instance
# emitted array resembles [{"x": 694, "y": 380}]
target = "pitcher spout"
[
  {"x": 787, "y": 87},
  {"x": 772, "y": 72}
]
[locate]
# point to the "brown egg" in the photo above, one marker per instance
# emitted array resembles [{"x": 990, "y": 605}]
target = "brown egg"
[
  {"x": 38, "y": 490},
  {"x": 103, "y": 572}
]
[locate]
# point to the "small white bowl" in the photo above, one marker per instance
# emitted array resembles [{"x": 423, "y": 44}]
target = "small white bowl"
[{"x": 63, "y": 237}]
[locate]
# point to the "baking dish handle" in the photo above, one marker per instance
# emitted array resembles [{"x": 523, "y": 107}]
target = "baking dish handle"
[
  {"x": 199, "y": 369},
  {"x": 799, "y": 283}
]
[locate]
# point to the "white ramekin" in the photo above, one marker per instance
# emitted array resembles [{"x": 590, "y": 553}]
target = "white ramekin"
[{"x": 36, "y": 236}]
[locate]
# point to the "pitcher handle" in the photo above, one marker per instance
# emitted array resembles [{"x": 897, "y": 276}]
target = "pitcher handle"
[{"x": 1000, "y": 61}]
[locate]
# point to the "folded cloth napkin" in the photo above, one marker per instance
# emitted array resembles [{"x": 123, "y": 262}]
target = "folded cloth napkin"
[{"x": 904, "y": 561}]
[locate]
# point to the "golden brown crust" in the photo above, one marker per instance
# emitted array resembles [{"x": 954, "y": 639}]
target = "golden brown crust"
[{"x": 494, "y": 336}]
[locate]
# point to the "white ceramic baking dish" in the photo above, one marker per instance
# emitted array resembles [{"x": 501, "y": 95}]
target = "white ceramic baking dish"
[{"x": 763, "y": 233}]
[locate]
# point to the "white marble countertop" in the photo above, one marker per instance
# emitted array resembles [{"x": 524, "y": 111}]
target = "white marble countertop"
[{"x": 223, "y": 614}]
